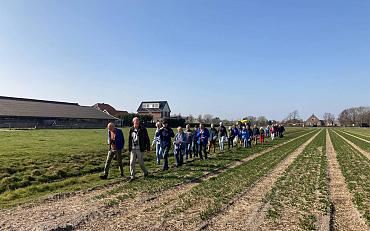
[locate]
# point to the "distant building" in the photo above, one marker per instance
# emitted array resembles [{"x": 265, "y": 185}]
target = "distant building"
[
  {"x": 158, "y": 109},
  {"x": 109, "y": 109},
  {"x": 293, "y": 123},
  {"x": 314, "y": 121},
  {"x": 33, "y": 113}
]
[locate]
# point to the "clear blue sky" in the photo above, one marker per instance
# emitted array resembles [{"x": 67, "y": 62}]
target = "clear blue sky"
[{"x": 226, "y": 58}]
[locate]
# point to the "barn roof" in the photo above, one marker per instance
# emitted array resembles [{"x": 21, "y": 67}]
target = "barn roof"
[
  {"x": 21, "y": 107},
  {"x": 162, "y": 104}
]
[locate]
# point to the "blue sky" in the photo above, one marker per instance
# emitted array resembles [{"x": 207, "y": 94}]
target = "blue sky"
[{"x": 226, "y": 58}]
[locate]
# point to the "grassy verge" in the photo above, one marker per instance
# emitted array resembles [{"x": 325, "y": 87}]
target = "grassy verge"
[
  {"x": 302, "y": 191},
  {"x": 355, "y": 168}
]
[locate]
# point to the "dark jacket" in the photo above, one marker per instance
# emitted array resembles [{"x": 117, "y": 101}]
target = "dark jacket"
[
  {"x": 165, "y": 134},
  {"x": 120, "y": 139},
  {"x": 144, "y": 141},
  {"x": 213, "y": 134},
  {"x": 222, "y": 131},
  {"x": 256, "y": 131}
]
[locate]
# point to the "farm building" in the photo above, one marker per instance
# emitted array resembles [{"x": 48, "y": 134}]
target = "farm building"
[
  {"x": 109, "y": 109},
  {"x": 158, "y": 109},
  {"x": 314, "y": 121},
  {"x": 33, "y": 113}
]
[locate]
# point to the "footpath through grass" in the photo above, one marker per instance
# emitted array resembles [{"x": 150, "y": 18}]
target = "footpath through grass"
[
  {"x": 54, "y": 161},
  {"x": 300, "y": 197},
  {"x": 356, "y": 170}
]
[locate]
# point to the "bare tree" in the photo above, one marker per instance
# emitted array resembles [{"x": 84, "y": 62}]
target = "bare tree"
[
  {"x": 200, "y": 119},
  {"x": 329, "y": 119},
  {"x": 207, "y": 118},
  {"x": 262, "y": 121},
  {"x": 190, "y": 119}
]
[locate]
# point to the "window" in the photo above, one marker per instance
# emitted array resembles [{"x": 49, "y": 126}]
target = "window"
[{"x": 150, "y": 105}]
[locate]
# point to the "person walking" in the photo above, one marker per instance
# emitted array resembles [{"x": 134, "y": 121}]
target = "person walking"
[
  {"x": 180, "y": 146},
  {"x": 165, "y": 134},
  {"x": 245, "y": 137},
  {"x": 195, "y": 145},
  {"x": 213, "y": 134},
  {"x": 189, "y": 142},
  {"x": 157, "y": 144},
  {"x": 256, "y": 133},
  {"x": 262, "y": 135},
  {"x": 222, "y": 136},
  {"x": 236, "y": 135},
  {"x": 139, "y": 142},
  {"x": 116, "y": 142},
  {"x": 230, "y": 138},
  {"x": 250, "y": 131},
  {"x": 202, "y": 140}
]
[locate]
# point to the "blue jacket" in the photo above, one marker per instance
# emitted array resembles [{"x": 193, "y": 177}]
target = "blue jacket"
[
  {"x": 120, "y": 139},
  {"x": 236, "y": 131},
  {"x": 202, "y": 138},
  {"x": 245, "y": 134},
  {"x": 165, "y": 135}
]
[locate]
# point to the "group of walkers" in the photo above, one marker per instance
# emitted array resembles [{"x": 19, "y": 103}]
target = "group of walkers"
[{"x": 187, "y": 143}]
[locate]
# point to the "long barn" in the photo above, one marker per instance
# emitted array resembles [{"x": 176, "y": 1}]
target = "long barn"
[{"x": 33, "y": 113}]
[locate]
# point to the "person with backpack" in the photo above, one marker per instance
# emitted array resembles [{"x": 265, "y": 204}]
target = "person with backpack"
[
  {"x": 179, "y": 146},
  {"x": 222, "y": 136},
  {"x": 189, "y": 141},
  {"x": 157, "y": 144},
  {"x": 139, "y": 142},
  {"x": 116, "y": 143},
  {"x": 202, "y": 140},
  {"x": 165, "y": 134},
  {"x": 213, "y": 134}
]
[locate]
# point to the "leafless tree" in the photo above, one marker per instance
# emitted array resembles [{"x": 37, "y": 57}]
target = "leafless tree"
[
  {"x": 329, "y": 118},
  {"x": 207, "y": 118}
]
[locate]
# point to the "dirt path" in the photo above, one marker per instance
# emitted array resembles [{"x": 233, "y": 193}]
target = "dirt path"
[
  {"x": 363, "y": 152},
  {"x": 248, "y": 213},
  {"x": 82, "y": 207},
  {"x": 345, "y": 215}
]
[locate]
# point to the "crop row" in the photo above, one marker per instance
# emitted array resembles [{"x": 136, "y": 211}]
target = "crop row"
[
  {"x": 217, "y": 192},
  {"x": 300, "y": 197},
  {"x": 360, "y": 143},
  {"x": 355, "y": 168}
]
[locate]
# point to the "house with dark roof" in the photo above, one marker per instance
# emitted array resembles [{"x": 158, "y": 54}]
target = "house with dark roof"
[
  {"x": 33, "y": 113},
  {"x": 109, "y": 109},
  {"x": 314, "y": 121},
  {"x": 158, "y": 109}
]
